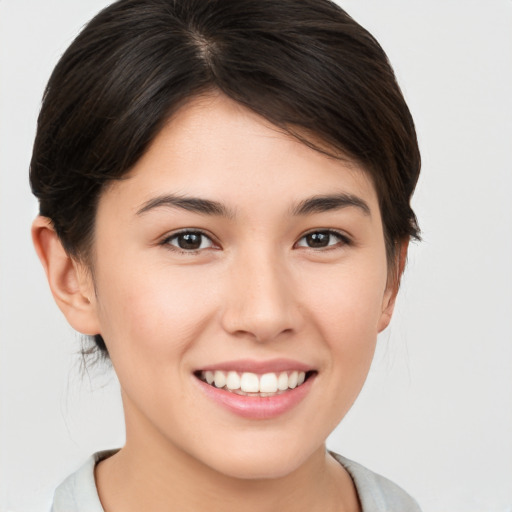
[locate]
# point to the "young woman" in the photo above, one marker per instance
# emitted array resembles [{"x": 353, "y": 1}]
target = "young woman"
[{"x": 224, "y": 194}]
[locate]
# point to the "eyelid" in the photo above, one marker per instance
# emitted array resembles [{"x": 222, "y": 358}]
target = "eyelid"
[
  {"x": 165, "y": 240},
  {"x": 343, "y": 237}
]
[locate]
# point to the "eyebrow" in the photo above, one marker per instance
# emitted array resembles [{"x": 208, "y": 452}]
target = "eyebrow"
[
  {"x": 192, "y": 204},
  {"x": 316, "y": 204},
  {"x": 325, "y": 203}
]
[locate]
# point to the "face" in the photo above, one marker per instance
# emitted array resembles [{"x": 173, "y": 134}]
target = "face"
[{"x": 240, "y": 282}]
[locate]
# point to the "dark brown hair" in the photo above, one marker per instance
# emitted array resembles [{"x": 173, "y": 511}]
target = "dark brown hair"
[{"x": 305, "y": 65}]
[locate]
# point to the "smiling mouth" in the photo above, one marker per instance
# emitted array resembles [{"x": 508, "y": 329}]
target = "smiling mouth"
[{"x": 253, "y": 384}]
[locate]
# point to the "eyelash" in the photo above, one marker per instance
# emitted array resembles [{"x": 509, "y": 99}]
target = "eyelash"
[
  {"x": 175, "y": 236},
  {"x": 342, "y": 240}
]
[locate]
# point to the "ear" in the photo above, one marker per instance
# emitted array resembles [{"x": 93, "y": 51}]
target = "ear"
[
  {"x": 70, "y": 281},
  {"x": 393, "y": 285}
]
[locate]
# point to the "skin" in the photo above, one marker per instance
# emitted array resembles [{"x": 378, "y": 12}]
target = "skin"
[{"x": 253, "y": 290}]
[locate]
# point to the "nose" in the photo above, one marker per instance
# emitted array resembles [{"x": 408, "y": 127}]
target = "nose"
[{"x": 260, "y": 303}]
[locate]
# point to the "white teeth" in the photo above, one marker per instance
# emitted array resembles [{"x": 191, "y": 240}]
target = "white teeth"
[
  {"x": 220, "y": 379},
  {"x": 268, "y": 383},
  {"x": 282, "y": 381},
  {"x": 233, "y": 381},
  {"x": 247, "y": 382}
]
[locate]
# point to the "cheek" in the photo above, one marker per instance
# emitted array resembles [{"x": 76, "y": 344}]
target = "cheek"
[
  {"x": 348, "y": 300},
  {"x": 154, "y": 315},
  {"x": 346, "y": 307}
]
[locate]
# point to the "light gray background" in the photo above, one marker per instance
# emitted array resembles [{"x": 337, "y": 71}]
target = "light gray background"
[{"x": 436, "y": 413}]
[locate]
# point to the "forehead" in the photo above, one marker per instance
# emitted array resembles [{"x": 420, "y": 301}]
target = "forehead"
[{"x": 215, "y": 148}]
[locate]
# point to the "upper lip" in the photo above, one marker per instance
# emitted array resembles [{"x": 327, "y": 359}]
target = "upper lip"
[{"x": 259, "y": 367}]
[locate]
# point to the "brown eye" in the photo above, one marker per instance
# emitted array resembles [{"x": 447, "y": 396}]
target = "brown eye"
[
  {"x": 322, "y": 239},
  {"x": 189, "y": 241}
]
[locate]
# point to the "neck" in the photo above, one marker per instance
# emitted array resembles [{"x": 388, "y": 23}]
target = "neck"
[{"x": 151, "y": 473}]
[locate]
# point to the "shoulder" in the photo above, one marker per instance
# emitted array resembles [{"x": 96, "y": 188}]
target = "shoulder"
[
  {"x": 78, "y": 492},
  {"x": 377, "y": 493}
]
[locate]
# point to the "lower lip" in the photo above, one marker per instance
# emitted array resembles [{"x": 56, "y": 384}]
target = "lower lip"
[{"x": 258, "y": 407}]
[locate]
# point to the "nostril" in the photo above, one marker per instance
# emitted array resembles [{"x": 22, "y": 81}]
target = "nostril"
[{"x": 263, "y": 309}]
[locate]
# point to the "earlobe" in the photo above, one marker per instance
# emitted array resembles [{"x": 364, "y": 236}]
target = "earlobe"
[
  {"x": 388, "y": 304},
  {"x": 70, "y": 281}
]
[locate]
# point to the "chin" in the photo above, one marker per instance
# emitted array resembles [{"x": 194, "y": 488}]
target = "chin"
[
  {"x": 260, "y": 462},
  {"x": 258, "y": 470}
]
